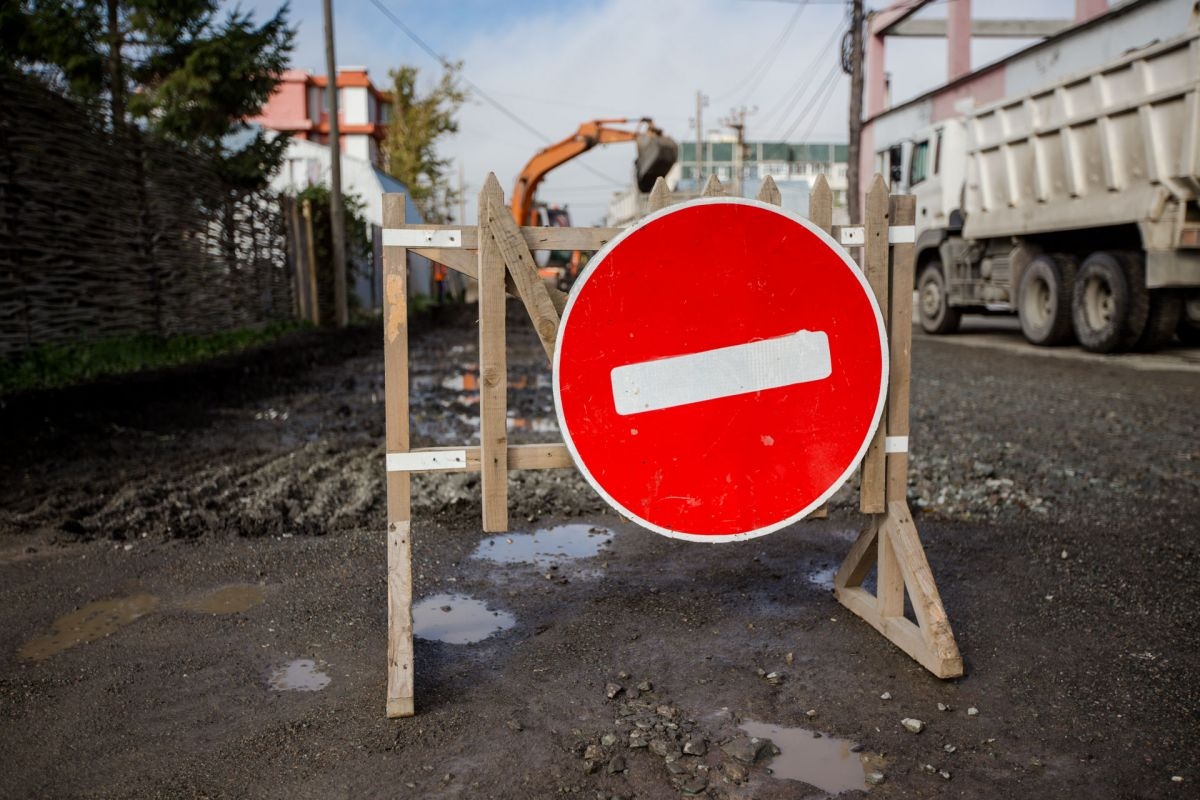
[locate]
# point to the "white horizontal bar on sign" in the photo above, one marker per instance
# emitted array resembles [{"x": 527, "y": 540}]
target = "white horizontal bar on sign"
[
  {"x": 895, "y": 444},
  {"x": 856, "y": 235},
  {"x": 415, "y": 237},
  {"x": 427, "y": 461},
  {"x": 798, "y": 357}
]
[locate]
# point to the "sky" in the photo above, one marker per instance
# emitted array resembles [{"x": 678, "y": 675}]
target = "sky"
[{"x": 557, "y": 64}]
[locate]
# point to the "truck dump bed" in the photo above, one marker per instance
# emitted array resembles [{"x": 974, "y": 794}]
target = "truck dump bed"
[{"x": 1105, "y": 147}]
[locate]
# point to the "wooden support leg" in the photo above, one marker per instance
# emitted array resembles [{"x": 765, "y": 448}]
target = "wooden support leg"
[
  {"x": 872, "y": 498},
  {"x": 890, "y": 542},
  {"x": 399, "y": 487},
  {"x": 493, "y": 365}
]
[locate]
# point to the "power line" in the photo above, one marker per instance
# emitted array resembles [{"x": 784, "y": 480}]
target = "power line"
[
  {"x": 812, "y": 101},
  {"x": 800, "y": 87},
  {"x": 474, "y": 87},
  {"x": 820, "y": 108},
  {"x": 763, "y": 66}
]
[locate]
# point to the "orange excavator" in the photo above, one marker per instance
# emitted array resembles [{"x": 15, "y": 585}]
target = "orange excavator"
[{"x": 656, "y": 154}]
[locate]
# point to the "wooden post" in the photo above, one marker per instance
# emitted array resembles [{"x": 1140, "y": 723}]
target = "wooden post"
[
  {"x": 660, "y": 196},
  {"x": 872, "y": 499},
  {"x": 890, "y": 542},
  {"x": 713, "y": 188},
  {"x": 769, "y": 192},
  {"x": 311, "y": 245},
  {"x": 493, "y": 365},
  {"x": 399, "y": 484},
  {"x": 904, "y": 214}
]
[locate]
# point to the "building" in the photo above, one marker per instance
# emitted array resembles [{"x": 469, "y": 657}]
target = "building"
[
  {"x": 300, "y": 106},
  {"x": 794, "y": 168}
]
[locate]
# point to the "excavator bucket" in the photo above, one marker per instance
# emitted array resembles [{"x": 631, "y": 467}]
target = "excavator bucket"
[{"x": 656, "y": 154}]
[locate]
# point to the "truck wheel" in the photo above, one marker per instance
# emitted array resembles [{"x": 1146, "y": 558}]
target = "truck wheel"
[
  {"x": 1110, "y": 302},
  {"x": 1044, "y": 299},
  {"x": 1166, "y": 309},
  {"x": 1189, "y": 319},
  {"x": 933, "y": 305}
]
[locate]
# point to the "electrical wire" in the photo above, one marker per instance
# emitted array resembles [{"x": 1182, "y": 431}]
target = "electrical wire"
[
  {"x": 763, "y": 67},
  {"x": 827, "y": 81},
  {"x": 796, "y": 92},
  {"x": 475, "y": 88}
]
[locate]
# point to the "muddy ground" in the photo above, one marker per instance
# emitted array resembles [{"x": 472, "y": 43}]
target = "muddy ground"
[{"x": 192, "y": 576}]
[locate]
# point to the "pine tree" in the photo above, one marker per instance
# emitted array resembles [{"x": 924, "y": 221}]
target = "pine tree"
[{"x": 173, "y": 67}]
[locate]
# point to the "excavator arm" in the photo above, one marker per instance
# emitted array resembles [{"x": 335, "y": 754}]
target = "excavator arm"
[{"x": 590, "y": 134}]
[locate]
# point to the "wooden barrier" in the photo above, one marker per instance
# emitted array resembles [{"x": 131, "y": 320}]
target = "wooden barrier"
[{"x": 503, "y": 264}]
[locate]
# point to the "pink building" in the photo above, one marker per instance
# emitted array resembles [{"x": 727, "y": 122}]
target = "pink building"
[{"x": 300, "y": 106}]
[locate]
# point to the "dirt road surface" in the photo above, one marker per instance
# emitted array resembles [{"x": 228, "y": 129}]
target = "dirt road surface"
[{"x": 192, "y": 575}]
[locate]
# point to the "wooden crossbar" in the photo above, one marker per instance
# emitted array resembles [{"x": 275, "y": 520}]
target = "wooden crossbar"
[{"x": 497, "y": 253}]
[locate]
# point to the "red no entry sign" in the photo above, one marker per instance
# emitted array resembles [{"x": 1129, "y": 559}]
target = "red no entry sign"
[{"x": 720, "y": 369}]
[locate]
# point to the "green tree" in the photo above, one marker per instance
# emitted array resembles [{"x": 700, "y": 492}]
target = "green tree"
[
  {"x": 418, "y": 121},
  {"x": 174, "y": 67}
]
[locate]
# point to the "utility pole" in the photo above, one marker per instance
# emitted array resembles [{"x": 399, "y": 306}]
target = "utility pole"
[
  {"x": 737, "y": 121},
  {"x": 853, "y": 179},
  {"x": 701, "y": 102},
  {"x": 337, "y": 222}
]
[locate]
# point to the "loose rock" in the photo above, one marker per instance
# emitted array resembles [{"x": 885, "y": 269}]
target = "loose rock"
[
  {"x": 695, "y": 747},
  {"x": 746, "y": 749},
  {"x": 875, "y": 778},
  {"x": 608, "y": 739},
  {"x": 617, "y": 764},
  {"x": 912, "y": 725},
  {"x": 885, "y": 696},
  {"x": 611, "y": 690},
  {"x": 735, "y": 771},
  {"x": 972, "y": 711}
]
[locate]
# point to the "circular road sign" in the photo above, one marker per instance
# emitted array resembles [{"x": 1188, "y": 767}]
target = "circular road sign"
[{"x": 720, "y": 369}]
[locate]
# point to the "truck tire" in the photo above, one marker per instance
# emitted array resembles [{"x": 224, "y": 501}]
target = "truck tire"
[
  {"x": 1044, "y": 299},
  {"x": 1166, "y": 308},
  {"x": 1189, "y": 318},
  {"x": 933, "y": 303},
  {"x": 1110, "y": 302}
]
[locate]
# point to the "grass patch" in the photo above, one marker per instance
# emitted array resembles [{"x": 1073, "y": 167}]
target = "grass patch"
[{"x": 54, "y": 366}]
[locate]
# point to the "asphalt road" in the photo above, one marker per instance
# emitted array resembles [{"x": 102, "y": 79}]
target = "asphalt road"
[{"x": 192, "y": 575}]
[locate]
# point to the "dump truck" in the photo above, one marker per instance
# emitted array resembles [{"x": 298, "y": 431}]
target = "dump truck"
[{"x": 1073, "y": 205}]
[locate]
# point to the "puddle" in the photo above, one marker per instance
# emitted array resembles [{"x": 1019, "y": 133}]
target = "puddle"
[
  {"x": 825, "y": 763},
  {"x": 457, "y": 619},
  {"x": 232, "y": 599},
  {"x": 545, "y": 547},
  {"x": 823, "y": 577},
  {"x": 93, "y": 621},
  {"x": 300, "y": 675}
]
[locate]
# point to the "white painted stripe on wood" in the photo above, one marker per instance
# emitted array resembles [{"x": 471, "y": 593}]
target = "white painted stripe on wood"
[
  {"x": 426, "y": 461},
  {"x": 853, "y": 236},
  {"x": 895, "y": 444},
  {"x": 415, "y": 237},
  {"x": 856, "y": 235},
  {"x": 798, "y": 357}
]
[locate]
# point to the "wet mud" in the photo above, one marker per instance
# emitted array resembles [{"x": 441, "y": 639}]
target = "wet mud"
[{"x": 193, "y": 569}]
